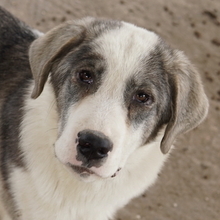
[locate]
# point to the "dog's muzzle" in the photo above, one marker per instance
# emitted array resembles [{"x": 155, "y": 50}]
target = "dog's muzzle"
[{"x": 92, "y": 147}]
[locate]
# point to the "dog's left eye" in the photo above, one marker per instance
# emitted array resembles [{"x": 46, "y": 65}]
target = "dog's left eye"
[
  {"x": 143, "y": 98},
  {"x": 85, "y": 76}
]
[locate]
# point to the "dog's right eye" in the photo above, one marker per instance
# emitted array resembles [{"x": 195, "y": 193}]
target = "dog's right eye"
[{"x": 85, "y": 76}]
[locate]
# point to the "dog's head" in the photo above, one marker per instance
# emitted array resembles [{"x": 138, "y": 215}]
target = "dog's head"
[{"x": 117, "y": 86}]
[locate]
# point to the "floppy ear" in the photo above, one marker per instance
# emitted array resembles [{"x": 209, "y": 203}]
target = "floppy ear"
[
  {"x": 190, "y": 104},
  {"x": 55, "y": 44}
]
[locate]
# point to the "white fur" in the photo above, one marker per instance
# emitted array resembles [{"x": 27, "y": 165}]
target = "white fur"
[{"x": 37, "y": 32}]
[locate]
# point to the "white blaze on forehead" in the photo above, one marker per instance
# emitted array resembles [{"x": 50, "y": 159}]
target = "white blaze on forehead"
[{"x": 123, "y": 50}]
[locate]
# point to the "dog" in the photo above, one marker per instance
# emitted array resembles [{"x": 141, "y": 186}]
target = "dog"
[{"x": 89, "y": 113}]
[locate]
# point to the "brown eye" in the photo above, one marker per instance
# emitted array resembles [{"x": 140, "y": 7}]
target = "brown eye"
[
  {"x": 143, "y": 97},
  {"x": 85, "y": 76}
]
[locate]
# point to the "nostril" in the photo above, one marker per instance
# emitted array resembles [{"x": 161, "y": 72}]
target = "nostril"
[
  {"x": 85, "y": 147},
  {"x": 102, "y": 152}
]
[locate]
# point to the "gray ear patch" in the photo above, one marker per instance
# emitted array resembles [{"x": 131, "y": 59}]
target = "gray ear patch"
[
  {"x": 48, "y": 48},
  {"x": 190, "y": 104}
]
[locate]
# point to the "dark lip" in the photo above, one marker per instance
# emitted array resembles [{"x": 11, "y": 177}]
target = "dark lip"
[
  {"x": 83, "y": 171},
  {"x": 80, "y": 170}
]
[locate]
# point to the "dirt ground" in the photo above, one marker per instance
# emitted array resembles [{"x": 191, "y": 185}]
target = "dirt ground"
[{"x": 189, "y": 185}]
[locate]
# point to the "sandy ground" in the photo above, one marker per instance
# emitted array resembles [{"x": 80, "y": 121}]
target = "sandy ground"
[{"x": 189, "y": 185}]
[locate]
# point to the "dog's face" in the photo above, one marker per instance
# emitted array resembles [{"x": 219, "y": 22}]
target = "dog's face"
[
  {"x": 114, "y": 97},
  {"x": 117, "y": 86}
]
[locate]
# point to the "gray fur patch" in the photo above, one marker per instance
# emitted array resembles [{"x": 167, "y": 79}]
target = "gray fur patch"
[
  {"x": 153, "y": 80},
  {"x": 15, "y": 38}
]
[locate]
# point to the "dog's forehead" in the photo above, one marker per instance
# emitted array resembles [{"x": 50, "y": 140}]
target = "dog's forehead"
[
  {"x": 128, "y": 37},
  {"x": 124, "y": 48}
]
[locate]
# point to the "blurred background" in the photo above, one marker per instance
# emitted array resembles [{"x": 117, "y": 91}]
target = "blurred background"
[{"x": 188, "y": 187}]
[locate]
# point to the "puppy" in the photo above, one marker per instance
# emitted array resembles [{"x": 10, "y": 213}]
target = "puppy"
[{"x": 88, "y": 114}]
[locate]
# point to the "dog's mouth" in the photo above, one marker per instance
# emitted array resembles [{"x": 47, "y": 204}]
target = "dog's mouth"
[
  {"x": 81, "y": 170},
  {"x": 86, "y": 172}
]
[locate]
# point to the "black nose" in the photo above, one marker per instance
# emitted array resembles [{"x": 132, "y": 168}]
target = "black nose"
[{"x": 93, "y": 145}]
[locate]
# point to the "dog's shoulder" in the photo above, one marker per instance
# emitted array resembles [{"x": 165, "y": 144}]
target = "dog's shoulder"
[
  {"x": 13, "y": 31},
  {"x": 15, "y": 39},
  {"x": 15, "y": 78}
]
